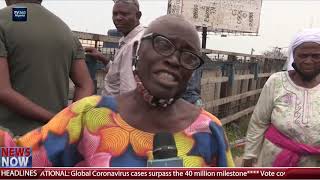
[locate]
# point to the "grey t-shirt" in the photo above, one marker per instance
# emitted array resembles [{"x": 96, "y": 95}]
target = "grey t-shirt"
[{"x": 40, "y": 52}]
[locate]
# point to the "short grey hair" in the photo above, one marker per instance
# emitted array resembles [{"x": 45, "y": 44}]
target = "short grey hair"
[{"x": 133, "y": 2}]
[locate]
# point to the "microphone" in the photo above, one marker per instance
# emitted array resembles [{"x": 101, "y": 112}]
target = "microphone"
[{"x": 164, "y": 152}]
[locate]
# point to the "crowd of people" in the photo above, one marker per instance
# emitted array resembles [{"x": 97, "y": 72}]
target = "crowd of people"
[{"x": 152, "y": 86}]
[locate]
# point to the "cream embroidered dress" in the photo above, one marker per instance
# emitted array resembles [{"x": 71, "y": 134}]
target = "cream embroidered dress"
[{"x": 293, "y": 110}]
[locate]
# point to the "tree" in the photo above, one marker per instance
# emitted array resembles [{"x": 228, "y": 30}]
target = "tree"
[{"x": 276, "y": 52}]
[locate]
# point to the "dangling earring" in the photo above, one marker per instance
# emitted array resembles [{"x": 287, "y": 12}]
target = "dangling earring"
[
  {"x": 135, "y": 60},
  {"x": 135, "y": 56}
]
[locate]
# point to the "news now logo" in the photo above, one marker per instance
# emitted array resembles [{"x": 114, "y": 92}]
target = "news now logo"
[
  {"x": 16, "y": 157},
  {"x": 19, "y": 14}
]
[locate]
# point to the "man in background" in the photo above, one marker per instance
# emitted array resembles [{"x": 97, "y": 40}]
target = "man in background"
[
  {"x": 38, "y": 54},
  {"x": 193, "y": 90},
  {"x": 126, "y": 17}
]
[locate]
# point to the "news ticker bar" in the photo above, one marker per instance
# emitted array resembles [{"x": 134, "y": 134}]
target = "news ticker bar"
[{"x": 160, "y": 173}]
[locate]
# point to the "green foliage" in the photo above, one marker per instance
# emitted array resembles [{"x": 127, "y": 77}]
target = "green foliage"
[{"x": 236, "y": 131}]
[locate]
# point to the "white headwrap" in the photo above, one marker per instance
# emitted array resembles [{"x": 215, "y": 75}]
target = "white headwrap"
[{"x": 307, "y": 35}]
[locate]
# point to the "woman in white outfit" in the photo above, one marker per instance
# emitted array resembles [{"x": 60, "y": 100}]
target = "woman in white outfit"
[{"x": 284, "y": 128}]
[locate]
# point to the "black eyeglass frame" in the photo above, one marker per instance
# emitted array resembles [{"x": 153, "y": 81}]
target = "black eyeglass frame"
[{"x": 152, "y": 36}]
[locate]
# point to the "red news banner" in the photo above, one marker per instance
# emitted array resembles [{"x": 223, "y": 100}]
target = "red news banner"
[{"x": 160, "y": 173}]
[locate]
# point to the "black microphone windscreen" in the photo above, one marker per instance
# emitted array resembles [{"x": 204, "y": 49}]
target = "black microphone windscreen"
[{"x": 164, "y": 146}]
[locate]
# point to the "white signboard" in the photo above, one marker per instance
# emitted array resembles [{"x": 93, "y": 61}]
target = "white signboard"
[{"x": 220, "y": 15}]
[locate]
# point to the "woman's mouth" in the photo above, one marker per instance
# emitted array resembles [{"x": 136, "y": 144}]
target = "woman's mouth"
[{"x": 166, "y": 78}]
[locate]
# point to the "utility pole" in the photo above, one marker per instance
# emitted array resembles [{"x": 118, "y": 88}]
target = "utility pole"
[
  {"x": 204, "y": 37},
  {"x": 252, "y": 51}
]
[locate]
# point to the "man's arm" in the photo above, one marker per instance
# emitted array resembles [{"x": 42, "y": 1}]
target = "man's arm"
[
  {"x": 97, "y": 55},
  {"x": 80, "y": 76},
  {"x": 16, "y": 101}
]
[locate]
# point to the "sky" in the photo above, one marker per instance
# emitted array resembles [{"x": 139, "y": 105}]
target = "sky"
[{"x": 279, "y": 21}]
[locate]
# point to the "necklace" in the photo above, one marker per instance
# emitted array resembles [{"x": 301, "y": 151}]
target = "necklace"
[{"x": 150, "y": 99}]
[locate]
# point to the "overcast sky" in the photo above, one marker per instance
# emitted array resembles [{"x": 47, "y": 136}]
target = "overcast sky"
[{"x": 279, "y": 20}]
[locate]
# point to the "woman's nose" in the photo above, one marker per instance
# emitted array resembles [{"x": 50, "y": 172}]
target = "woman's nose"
[{"x": 174, "y": 59}]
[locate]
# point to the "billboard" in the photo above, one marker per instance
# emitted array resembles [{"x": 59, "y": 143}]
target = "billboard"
[{"x": 220, "y": 15}]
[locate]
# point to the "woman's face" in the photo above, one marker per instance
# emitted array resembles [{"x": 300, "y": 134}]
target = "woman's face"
[
  {"x": 164, "y": 76},
  {"x": 307, "y": 58}
]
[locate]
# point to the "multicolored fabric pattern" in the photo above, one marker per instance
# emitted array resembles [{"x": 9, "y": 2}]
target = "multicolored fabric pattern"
[{"x": 91, "y": 132}]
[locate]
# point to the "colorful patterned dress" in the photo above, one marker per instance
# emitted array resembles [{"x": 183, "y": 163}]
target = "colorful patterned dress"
[{"x": 91, "y": 132}]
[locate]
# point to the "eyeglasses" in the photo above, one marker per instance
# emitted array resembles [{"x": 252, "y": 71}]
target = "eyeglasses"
[
  {"x": 315, "y": 57},
  {"x": 165, "y": 47}
]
